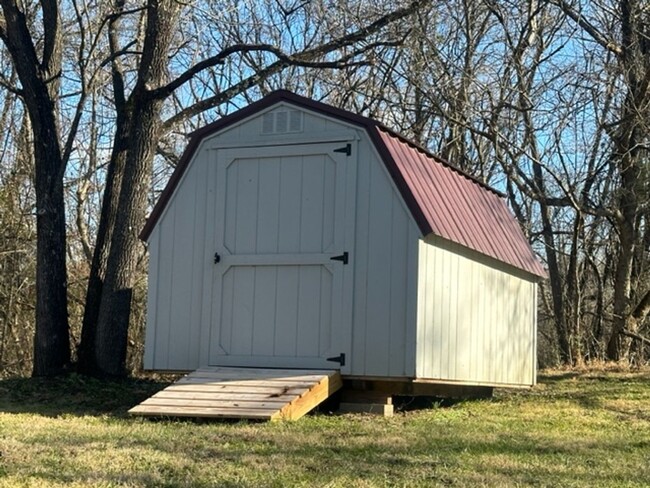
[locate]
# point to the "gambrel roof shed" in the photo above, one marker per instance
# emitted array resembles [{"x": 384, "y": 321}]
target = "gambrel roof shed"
[
  {"x": 442, "y": 199},
  {"x": 293, "y": 234}
]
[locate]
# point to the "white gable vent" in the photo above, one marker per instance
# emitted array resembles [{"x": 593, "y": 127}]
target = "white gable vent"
[{"x": 282, "y": 122}]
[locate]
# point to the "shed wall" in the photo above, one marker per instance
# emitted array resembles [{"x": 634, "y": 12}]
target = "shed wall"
[
  {"x": 384, "y": 259},
  {"x": 180, "y": 254},
  {"x": 476, "y": 320},
  {"x": 385, "y": 291}
]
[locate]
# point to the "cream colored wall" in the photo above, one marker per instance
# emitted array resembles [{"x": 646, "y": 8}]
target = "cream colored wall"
[
  {"x": 476, "y": 321},
  {"x": 384, "y": 258},
  {"x": 385, "y": 290},
  {"x": 180, "y": 256}
]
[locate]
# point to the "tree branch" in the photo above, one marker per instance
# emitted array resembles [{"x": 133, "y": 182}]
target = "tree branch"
[
  {"x": 633, "y": 335},
  {"x": 304, "y": 58},
  {"x": 10, "y": 88},
  {"x": 52, "y": 35},
  {"x": 224, "y": 95},
  {"x": 588, "y": 27},
  {"x": 642, "y": 309}
]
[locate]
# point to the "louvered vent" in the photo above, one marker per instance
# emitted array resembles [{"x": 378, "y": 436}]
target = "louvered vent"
[
  {"x": 282, "y": 122},
  {"x": 268, "y": 123}
]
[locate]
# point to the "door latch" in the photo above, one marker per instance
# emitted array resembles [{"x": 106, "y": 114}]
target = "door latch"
[{"x": 217, "y": 258}]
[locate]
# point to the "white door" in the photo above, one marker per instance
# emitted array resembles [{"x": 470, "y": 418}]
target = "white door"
[{"x": 282, "y": 214}]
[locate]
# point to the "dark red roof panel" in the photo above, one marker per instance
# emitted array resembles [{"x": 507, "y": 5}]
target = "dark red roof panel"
[
  {"x": 442, "y": 199},
  {"x": 458, "y": 209}
]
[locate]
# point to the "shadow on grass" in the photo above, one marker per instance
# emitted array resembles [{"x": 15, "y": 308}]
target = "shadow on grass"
[
  {"x": 75, "y": 394},
  {"x": 557, "y": 377}
]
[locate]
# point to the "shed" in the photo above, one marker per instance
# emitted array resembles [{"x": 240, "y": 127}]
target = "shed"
[{"x": 293, "y": 234}]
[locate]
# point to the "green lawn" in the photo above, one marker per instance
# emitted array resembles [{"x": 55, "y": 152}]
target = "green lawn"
[{"x": 574, "y": 429}]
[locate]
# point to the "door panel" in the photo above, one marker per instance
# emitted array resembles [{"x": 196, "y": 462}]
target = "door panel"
[{"x": 281, "y": 214}]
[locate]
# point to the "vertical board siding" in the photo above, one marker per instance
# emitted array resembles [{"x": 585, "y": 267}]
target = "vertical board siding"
[
  {"x": 176, "y": 277},
  {"x": 476, "y": 323},
  {"x": 152, "y": 301},
  {"x": 181, "y": 300},
  {"x": 385, "y": 261}
]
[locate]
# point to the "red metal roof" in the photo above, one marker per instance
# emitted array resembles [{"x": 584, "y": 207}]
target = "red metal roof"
[
  {"x": 442, "y": 199},
  {"x": 456, "y": 208}
]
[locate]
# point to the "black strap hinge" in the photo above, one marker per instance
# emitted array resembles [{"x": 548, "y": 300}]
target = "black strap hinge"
[
  {"x": 338, "y": 359},
  {"x": 347, "y": 149},
  {"x": 343, "y": 258}
]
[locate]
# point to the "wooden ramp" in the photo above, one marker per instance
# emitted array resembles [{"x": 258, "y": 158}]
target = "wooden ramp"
[{"x": 244, "y": 393}]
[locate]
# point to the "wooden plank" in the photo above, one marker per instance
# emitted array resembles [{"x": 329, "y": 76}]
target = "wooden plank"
[
  {"x": 276, "y": 259},
  {"x": 396, "y": 346},
  {"x": 289, "y": 211},
  {"x": 203, "y": 412},
  {"x": 152, "y": 301},
  {"x": 264, "y": 308},
  {"x": 311, "y": 205},
  {"x": 268, "y": 204},
  {"x": 260, "y": 382},
  {"x": 245, "y": 212},
  {"x": 286, "y": 311},
  {"x": 233, "y": 403},
  {"x": 307, "y": 333},
  {"x": 300, "y": 376},
  {"x": 226, "y": 395},
  {"x": 264, "y": 397},
  {"x": 241, "y": 342},
  {"x": 312, "y": 398},
  {"x": 242, "y": 388},
  {"x": 245, "y": 372}
]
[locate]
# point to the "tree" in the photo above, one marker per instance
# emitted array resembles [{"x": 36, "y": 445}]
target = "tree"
[
  {"x": 39, "y": 75},
  {"x": 627, "y": 39}
]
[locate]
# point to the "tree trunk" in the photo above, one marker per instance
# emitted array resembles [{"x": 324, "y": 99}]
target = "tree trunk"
[
  {"x": 86, "y": 350},
  {"x": 143, "y": 129},
  {"x": 623, "y": 276},
  {"x": 40, "y": 85},
  {"x": 115, "y": 305},
  {"x": 630, "y": 156},
  {"x": 52, "y": 340}
]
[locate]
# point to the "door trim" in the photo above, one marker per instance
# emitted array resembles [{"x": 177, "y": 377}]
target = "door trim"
[{"x": 341, "y": 335}]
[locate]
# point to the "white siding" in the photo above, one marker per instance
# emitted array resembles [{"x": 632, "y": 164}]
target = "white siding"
[
  {"x": 385, "y": 261},
  {"x": 180, "y": 255},
  {"x": 476, "y": 320},
  {"x": 384, "y": 258}
]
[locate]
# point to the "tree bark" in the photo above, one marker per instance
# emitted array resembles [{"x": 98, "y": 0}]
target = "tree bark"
[
  {"x": 143, "y": 130},
  {"x": 86, "y": 350},
  {"x": 630, "y": 156},
  {"x": 40, "y": 84}
]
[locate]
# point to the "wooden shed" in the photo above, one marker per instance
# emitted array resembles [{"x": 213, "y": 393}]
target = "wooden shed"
[{"x": 294, "y": 234}]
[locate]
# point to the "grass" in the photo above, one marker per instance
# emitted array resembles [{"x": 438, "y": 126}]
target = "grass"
[{"x": 573, "y": 429}]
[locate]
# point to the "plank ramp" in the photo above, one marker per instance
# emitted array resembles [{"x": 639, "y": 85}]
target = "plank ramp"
[{"x": 243, "y": 393}]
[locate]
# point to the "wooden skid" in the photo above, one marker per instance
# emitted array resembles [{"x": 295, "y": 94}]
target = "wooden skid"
[{"x": 244, "y": 393}]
